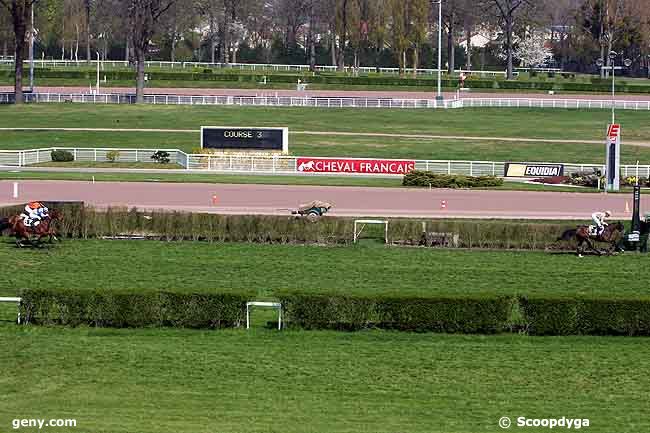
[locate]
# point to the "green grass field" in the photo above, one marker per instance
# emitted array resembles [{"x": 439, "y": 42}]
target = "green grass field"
[
  {"x": 187, "y": 266},
  {"x": 522, "y": 124},
  {"x": 182, "y": 381}
]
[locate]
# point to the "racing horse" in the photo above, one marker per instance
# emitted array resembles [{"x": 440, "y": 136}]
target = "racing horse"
[
  {"x": 34, "y": 235},
  {"x": 611, "y": 235}
]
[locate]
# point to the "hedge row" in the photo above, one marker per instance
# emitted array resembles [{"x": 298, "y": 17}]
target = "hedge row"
[
  {"x": 466, "y": 315},
  {"x": 581, "y": 316},
  {"x": 433, "y": 180},
  {"x": 130, "y": 309},
  {"x": 88, "y": 223},
  {"x": 471, "y": 315},
  {"x": 570, "y": 86},
  {"x": 436, "y": 314}
]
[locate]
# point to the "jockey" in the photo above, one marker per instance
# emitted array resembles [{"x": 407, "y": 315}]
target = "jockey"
[
  {"x": 599, "y": 219},
  {"x": 34, "y": 212}
]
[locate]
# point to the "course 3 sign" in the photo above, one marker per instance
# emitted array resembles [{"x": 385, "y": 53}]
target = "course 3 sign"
[
  {"x": 245, "y": 138},
  {"x": 514, "y": 169},
  {"x": 356, "y": 166}
]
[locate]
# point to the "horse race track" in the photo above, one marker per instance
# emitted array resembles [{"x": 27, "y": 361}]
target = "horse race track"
[
  {"x": 181, "y": 381},
  {"x": 202, "y": 266},
  {"x": 166, "y": 380}
]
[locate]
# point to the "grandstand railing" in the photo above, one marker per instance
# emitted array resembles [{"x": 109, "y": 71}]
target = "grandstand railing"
[
  {"x": 243, "y": 66},
  {"x": 272, "y": 164},
  {"x": 283, "y": 101},
  {"x": 329, "y": 102}
]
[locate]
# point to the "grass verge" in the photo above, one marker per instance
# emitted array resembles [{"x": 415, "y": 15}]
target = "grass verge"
[
  {"x": 163, "y": 380},
  {"x": 199, "y": 266}
]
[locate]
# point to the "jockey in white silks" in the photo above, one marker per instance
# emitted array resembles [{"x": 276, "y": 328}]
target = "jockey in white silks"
[{"x": 599, "y": 220}]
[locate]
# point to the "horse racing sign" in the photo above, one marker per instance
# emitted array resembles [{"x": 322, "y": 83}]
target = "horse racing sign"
[
  {"x": 228, "y": 138},
  {"x": 358, "y": 166},
  {"x": 612, "y": 171},
  {"x": 514, "y": 169}
]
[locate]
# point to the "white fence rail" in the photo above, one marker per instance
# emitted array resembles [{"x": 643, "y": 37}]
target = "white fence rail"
[
  {"x": 323, "y": 102},
  {"x": 261, "y": 164},
  {"x": 104, "y": 64},
  {"x": 280, "y": 101}
]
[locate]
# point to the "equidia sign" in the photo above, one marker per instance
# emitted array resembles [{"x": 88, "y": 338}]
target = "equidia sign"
[
  {"x": 359, "y": 166},
  {"x": 533, "y": 170}
]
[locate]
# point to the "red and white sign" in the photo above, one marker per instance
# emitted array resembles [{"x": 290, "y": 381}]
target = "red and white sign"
[
  {"x": 360, "y": 166},
  {"x": 613, "y": 132}
]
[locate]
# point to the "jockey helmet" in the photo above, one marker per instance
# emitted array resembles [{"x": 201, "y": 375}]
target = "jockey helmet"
[
  {"x": 35, "y": 204},
  {"x": 608, "y": 213}
]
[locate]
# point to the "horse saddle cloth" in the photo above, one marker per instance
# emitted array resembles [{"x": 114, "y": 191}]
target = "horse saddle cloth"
[
  {"x": 593, "y": 230},
  {"x": 29, "y": 222}
]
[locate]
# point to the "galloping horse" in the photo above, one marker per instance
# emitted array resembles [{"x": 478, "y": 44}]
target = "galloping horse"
[
  {"x": 611, "y": 235},
  {"x": 36, "y": 234}
]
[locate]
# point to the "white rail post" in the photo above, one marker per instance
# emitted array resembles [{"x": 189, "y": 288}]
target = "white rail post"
[{"x": 15, "y": 195}]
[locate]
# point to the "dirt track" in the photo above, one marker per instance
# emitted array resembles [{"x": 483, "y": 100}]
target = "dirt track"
[{"x": 347, "y": 201}]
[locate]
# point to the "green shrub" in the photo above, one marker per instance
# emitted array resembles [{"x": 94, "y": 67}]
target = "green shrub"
[
  {"x": 581, "y": 316},
  {"x": 427, "y": 178},
  {"x": 112, "y": 155},
  {"x": 161, "y": 157},
  {"x": 62, "y": 156},
  {"x": 434, "y": 314},
  {"x": 122, "y": 309}
]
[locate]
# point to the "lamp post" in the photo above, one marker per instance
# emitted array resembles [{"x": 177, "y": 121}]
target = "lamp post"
[
  {"x": 439, "y": 93},
  {"x": 613, "y": 148},
  {"x": 613, "y": 55},
  {"x": 648, "y": 66},
  {"x": 97, "y": 90}
]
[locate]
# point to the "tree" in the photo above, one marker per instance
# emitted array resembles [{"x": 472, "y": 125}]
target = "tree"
[
  {"x": 20, "y": 14},
  {"x": 532, "y": 51},
  {"x": 506, "y": 11},
  {"x": 143, "y": 17},
  {"x": 6, "y": 33},
  {"x": 418, "y": 29}
]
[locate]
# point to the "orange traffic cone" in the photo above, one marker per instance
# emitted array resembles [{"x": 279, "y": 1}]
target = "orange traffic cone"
[
  {"x": 627, "y": 207},
  {"x": 215, "y": 200}
]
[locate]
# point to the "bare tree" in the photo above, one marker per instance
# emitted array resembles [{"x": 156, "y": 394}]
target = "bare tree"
[
  {"x": 143, "y": 17},
  {"x": 506, "y": 11},
  {"x": 20, "y": 12}
]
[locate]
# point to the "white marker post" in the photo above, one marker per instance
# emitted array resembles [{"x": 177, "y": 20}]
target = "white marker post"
[{"x": 15, "y": 189}]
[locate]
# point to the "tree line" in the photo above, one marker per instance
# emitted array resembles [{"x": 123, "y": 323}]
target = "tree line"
[{"x": 379, "y": 33}]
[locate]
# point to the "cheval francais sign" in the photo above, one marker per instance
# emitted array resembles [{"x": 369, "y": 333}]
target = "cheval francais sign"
[{"x": 355, "y": 166}]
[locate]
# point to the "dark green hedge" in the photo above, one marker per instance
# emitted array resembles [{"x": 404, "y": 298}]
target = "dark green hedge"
[
  {"x": 430, "y": 179},
  {"x": 480, "y": 314},
  {"x": 433, "y": 314},
  {"x": 86, "y": 223},
  {"x": 131, "y": 309},
  {"x": 581, "y": 316},
  {"x": 596, "y": 85},
  {"x": 471, "y": 315}
]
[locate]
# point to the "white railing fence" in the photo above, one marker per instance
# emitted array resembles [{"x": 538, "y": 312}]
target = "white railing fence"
[
  {"x": 267, "y": 101},
  {"x": 325, "y": 102},
  {"x": 276, "y": 164},
  {"x": 105, "y": 64}
]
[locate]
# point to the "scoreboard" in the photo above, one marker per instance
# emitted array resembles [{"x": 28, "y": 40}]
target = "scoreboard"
[{"x": 245, "y": 138}]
